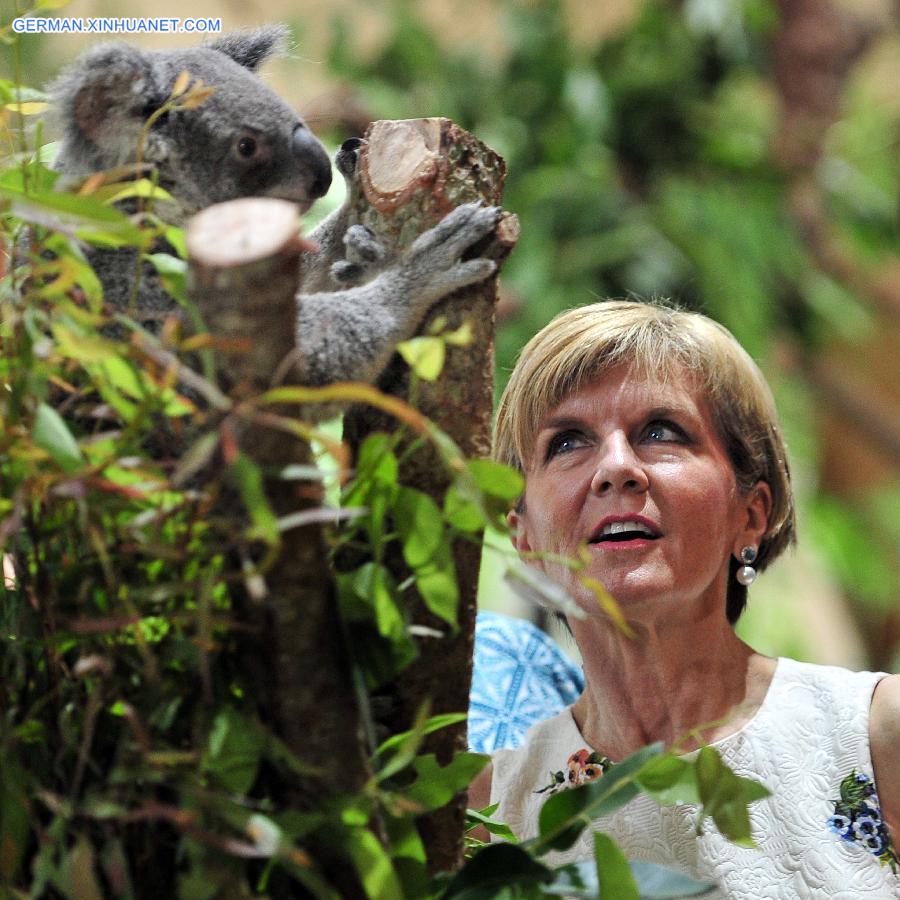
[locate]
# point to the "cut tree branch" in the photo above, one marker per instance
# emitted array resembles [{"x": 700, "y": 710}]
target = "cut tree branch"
[{"x": 413, "y": 173}]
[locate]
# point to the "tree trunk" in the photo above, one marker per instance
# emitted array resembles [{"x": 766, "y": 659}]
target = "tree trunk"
[
  {"x": 412, "y": 173},
  {"x": 244, "y": 277}
]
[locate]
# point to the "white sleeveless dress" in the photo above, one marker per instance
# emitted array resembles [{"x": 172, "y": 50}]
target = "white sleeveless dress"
[{"x": 810, "y": 734}]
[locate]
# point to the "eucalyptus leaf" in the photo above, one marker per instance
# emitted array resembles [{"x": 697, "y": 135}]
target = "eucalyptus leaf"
[
  {"x": 234, "y": 751},
  {"x": 495, "y": 867},
  {"x": 51, "y": 433},
  {"x": 249, "y": 480},
  {"x": 725, "y": 796},
  {"x": 474, "y": 818},
  {"x": 374, "y": 865},
  {"x": 64, "y": 212},
  {"x": 424, "y": 355},
  {"x": 497, "y": 480},
  {"x": 670, "y": 780},
  {"x": 614, "y": 875},
  {"x": 533, "y": 585},
  {"x": 438, "y": 586},
  {"x": 661, "y": 883},
  {"x": 421, "y": 527},
  {"x": 434, "y": 723},
  {"x": 436, "y": 785},
  {"x": 579, "y": 882}
]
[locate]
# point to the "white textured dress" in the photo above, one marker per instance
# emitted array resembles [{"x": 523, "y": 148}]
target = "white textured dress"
[{"x": 810, "y": 734}]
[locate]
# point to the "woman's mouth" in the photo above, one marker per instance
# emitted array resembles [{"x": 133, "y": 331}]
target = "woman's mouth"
[{"x": 618, "y": 532}]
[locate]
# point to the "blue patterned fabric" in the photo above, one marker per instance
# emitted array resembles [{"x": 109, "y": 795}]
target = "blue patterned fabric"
[{"x": 519, "y": 677}]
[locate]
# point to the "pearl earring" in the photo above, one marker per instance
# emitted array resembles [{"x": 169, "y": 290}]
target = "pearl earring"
[{"x": 746, "y": 574}]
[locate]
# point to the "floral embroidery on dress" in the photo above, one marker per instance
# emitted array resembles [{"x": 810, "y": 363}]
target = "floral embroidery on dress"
[
  {"x": 857, "y": 819},
  {"x": 581, "y": 767}
]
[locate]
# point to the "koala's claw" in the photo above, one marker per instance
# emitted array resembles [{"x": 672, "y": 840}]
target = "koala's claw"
[
  {"x": 346, "y": 273},
  {"x": 362, "y": 247},
  {"x": 459, "y": 229},
  {"x": 364, "y": 257},
  {"x": 434, "y": 261},
  {"x": 346, "y": 158}
]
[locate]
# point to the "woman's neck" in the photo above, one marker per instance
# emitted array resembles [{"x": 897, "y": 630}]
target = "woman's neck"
[{"x": 679, "y": 683}]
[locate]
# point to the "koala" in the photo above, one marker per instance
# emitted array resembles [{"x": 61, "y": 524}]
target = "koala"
[{"x": 354, "y": 304}]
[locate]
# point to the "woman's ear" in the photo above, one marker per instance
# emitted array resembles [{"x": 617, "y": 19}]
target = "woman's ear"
[
  {"x": 758, "y": 506},
  {"x": 516, "y": 521}
]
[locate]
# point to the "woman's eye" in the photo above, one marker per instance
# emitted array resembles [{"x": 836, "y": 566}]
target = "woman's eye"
[
  {"x": 563, "y": 443},
  {"x": 663, "y": 431}
]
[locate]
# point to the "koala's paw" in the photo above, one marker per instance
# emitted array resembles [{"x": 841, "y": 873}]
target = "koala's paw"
[
  {"x": 434, "y": 259},
  {"x": 362, "y": 247},
  {"x": 346, "y": 158},
  {"x": 364, "y": 256}
]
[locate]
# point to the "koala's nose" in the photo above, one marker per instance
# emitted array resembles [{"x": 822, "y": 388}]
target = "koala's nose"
[{"x": 311, "y": 154}]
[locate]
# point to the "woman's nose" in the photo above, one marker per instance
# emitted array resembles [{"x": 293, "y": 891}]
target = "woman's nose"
[{"x": 618, "y": 468}]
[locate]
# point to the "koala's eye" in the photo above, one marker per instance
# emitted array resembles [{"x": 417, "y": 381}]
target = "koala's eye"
[{"x": 246, "y": 146}]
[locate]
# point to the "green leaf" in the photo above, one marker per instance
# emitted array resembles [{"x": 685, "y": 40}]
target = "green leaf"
[
  {"x": 437, "y": 785},
  {"x": 141, "y": 187},
  {"x": 375, "y": 585},
  {"x": 376, "y": 871},
  {"x": 435, "y": 723},
  {"x": 438, "y": 587},
  {"x": 250, "y": 484},
  {"x": 424, "y": 355},
  {"x": 175, "y": 236},
  {"x": 497, "y": 480},
  {"x": 482, "y": 495},
  {"x": 463, "y": 512},
  {"x": 234, "y": 751},
  {"x": 669, "y": 780},
  {"x": 725, "y": 796},
  {"x": 63, "y": 212},
  {"x": 376, "y": 469},
  {"x": 494, "y": 868},
  {"x": 51, "y": 433},
  {"x": 579, "y": 881},
  {"x": 75, "y": 343},
  {"x": 407, "y": 744},
  {"x": 420, "y": 525},
  {"x": 659, "y": 883},
  {"x": 405, "y": 838},
  {"x": 475, "y": 817},
  {"x": 460, "y": 337},
  {"x": 172, "y": 272},
  {"x": 613, "y": 872}
]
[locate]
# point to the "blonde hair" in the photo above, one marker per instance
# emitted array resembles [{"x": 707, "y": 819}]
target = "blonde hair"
[{"x": 659, "y": 342}]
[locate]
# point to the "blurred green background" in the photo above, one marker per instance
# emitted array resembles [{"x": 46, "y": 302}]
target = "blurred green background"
[{"x": 738, "y": 156}]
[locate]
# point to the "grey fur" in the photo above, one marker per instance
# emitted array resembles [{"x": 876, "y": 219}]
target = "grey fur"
[{"x": 102, "y": 103}]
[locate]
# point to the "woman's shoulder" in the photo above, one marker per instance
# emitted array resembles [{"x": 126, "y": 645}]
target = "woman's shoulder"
[
  {"x": 884, "y": 738},
  {"x": 833, "y": 682},
  {"x": 829, "y": 705}
]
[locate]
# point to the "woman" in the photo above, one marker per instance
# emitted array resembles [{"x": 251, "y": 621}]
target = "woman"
[{"x": 651, "y": 448}]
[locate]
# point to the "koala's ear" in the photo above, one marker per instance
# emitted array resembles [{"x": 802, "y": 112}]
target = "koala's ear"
[
  {"x": 252, "y": 48},
  {"x": 102, "y": 101}
]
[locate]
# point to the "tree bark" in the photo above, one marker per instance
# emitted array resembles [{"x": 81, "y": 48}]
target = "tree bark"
[
  {"x": 412, "y": 173},
  {"x": 244, "y": 277}
]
